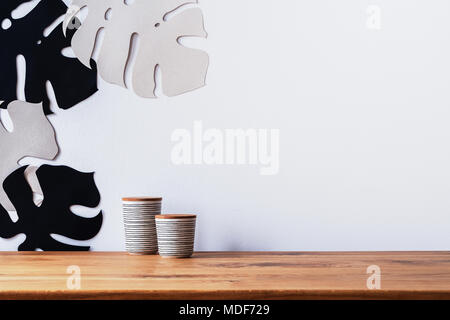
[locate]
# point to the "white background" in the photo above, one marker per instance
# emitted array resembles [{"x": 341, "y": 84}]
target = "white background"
[{"x": 363, "y": 115}]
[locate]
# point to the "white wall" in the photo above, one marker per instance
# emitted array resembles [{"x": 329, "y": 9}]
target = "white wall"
[{"x": 363, "y": 116}]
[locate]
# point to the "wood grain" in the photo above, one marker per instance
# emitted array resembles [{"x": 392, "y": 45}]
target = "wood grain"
[{"x": 226, "y": 275}]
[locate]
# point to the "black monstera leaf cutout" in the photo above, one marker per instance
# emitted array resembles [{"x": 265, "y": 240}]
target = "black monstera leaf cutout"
[
  {"x": 71, "y": 80},
  {"x": 62, "y": 187}
]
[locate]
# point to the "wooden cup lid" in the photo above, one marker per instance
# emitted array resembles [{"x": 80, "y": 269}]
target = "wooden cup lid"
[
  {"x": 175, "y": 216},
  {"x": 142, "y": 199}
]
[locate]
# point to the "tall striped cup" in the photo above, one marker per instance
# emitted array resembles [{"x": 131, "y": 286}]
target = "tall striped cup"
[{"x": 139, "y": 221}]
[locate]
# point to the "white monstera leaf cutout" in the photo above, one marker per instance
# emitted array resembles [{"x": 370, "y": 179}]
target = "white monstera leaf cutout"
[
  {"x": 183, "y": 69},
  {"x": 33, "y": 181},
  {"x": 32, "y": 136}
]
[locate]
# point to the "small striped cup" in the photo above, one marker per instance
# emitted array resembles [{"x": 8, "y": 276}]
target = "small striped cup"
[{"x": 176, "y": 233}]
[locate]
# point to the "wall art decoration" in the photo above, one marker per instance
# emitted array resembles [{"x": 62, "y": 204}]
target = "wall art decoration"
[
  {"x": 72, "y": 82},
  {"x": 32, "y": 136},
  {"x": 182, "y": 69},
  {"x": 31, "y": 177},
  {"x": 62, "y": 187}
]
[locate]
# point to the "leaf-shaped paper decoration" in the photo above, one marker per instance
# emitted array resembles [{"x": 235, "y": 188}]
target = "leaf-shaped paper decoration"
[
  {"x": 183, "y": 69},
  {"x": 71, "y": 81},
  {"x": 31, "y": 177},
  {"x": 63, "y": 187},
  {"x": 32, "y": 136}
]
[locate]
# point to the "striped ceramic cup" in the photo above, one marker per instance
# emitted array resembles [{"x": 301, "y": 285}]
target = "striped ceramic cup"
[
  {"x": 139, "y": 221},
  {"x": 176, "y": 233}
]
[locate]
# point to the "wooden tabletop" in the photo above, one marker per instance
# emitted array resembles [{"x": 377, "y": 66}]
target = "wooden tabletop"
[{"x": 224, "y": 275}]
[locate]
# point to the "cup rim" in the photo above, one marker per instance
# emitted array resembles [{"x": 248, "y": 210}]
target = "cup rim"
[
  {"x": 136, "y": 199},
  {"x": 175, "y": 216}
]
